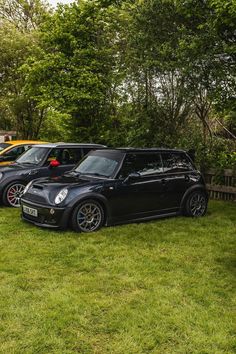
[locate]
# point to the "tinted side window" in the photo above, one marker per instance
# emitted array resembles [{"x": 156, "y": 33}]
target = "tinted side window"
[
  {"x": 54, "y": 155},
  {"x": 15, "y": 152},
  {"x": 145, "y": 164},
  {"x": 87, "y": 150},
  {"x": 66, "y": 156},
  {"x": 175, "y": 162},
  {"x": 71, "y": 156}
]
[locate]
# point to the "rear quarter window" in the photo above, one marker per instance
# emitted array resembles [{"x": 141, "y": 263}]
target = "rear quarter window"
[{"x": 176, "y": 162}]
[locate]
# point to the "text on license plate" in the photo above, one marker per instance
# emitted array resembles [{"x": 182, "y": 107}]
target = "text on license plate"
[{"x": 30, "y": 211}]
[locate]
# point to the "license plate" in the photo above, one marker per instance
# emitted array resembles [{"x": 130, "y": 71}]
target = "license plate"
[{"x": 30, "y": 211}]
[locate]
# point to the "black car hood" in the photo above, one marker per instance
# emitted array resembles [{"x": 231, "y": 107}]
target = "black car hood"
[
  {"x": 71, "y": 179},
  {"x": 67, "y": 180},
  {"x": 44, "y": 190}
]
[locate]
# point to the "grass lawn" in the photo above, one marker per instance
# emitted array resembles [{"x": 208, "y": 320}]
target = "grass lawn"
[{"x": 159, "y": 287}]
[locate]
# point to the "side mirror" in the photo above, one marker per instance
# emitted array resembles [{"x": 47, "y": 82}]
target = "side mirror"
[
  {"x": 54, "y": 163},
  {"x": 132, "y": 177}
]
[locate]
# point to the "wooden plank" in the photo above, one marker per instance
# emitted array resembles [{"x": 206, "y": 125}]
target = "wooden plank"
[
  {"x": 227, "y": 172},
  {"x": 211, "y": 171},
  {"x": 222, "y": 189}
]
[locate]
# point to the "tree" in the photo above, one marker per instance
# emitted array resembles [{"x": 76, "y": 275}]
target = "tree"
[
  {"x": 18, "y": 42},
  {"x": 25, "y": 15},
  {"x": 75, "y": 71},
  {"x": 16, "y": 47},
  {"x": 155, "y": 76},
  {"x": 179, "y": 56}
]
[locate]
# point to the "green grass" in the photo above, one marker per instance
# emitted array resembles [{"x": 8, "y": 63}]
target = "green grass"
[{"x": 160, "y": 287}]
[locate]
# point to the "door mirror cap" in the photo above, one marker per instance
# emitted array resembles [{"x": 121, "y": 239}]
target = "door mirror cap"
[
  {"x": 132, "y": 177},
  {"x": 54, "y": 163}
]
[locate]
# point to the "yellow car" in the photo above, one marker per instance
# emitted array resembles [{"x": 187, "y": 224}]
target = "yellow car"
[{"x": 10, "y": 150}]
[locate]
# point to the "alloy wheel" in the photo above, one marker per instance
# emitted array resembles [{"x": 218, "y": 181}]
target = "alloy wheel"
[
  {"x": 14, "y": 194},
  {"x": 89, "y": 217},
  {"x": 197, "y": 205}
]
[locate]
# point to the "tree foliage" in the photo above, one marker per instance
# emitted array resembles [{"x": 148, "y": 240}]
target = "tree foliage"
[
  {"x": 75, "y": 72},
  {"x": 19, "y": 42},
  {"x": 16, "y": 47},
  {"x": 144, "y": 73},
  {"x": 25, "y": 15}
]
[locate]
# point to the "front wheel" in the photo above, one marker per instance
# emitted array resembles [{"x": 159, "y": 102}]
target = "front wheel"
[
  {"x": 196, "y": 204},
  {"x": 88, "y": 216},
  {"x": 12, "y": 194}
]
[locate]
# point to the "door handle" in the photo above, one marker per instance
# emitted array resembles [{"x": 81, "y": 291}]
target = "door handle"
[{"x": 186, "y": 178}]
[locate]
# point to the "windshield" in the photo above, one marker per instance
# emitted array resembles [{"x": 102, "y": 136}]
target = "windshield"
[
  {"x": 4, "y": 146},
  {"x": 33, "y": 156},
  {"x": 99, "y": 164}
]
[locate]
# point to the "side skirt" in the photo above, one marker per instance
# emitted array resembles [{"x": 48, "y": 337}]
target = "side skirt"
[{"x": 146, "y": 218}]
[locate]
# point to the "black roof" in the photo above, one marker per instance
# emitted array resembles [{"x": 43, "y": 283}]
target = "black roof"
[{"x": 132, "y": 149}]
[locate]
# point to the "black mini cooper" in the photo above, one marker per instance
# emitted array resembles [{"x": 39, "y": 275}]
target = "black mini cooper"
[
  {"x": 45, "y": 160},
  {"x": 110, "y": 187}
]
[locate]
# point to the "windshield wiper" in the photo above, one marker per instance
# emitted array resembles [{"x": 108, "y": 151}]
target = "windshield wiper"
[
  {"x": 15, "y": 163},
  {"x": 96, "y": 174},
  {"x": 73, "y": 172},
  {"x": 28, "y": 163}
]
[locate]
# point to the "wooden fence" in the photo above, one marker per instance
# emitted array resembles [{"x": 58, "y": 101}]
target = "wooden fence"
[{"x": 221, "y": 186}]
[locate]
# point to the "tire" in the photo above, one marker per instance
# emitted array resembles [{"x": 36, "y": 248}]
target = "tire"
[
  {"x": 196, "y": 204},
  {"x": 88, "y": 216},
  {"x": 12, "y": 193}
]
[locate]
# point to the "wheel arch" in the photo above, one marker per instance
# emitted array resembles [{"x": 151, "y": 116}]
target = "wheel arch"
[
  {"x": 13, "y": 181},
  {"x": 96, "y": 197},
  {"x": 197, "y": 187},
  {"x": 8, "y": 184}
]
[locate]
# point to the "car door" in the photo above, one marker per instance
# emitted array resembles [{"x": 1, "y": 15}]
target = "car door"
[
  {"x": 41, "y": 168},
  {"x": 141, "y": 196},
  {"x": 176, "y": 179},
  {"x": 67, "y": 157}
]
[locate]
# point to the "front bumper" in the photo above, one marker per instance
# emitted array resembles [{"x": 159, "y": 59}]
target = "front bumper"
[{"x": 48, "y": 216}]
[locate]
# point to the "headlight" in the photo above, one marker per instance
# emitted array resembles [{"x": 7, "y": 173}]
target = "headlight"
[
  {"x": 1, "y": 175},
  {"x": 27, "y": 187},
  {"x": 61, "y": 196}
]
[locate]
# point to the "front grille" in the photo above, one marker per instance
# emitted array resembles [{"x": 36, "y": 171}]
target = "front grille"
[
  {"x": 44, "y": 215},
  {"x": 39, "y": 219},
  {"x": 35, "y": 195}
]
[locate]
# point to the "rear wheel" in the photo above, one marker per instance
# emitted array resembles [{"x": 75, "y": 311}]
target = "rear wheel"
[
  {"x": 12, "y": 194},
  {"x": 88, "y": 216},
  {"x": 196, "y": 204}
]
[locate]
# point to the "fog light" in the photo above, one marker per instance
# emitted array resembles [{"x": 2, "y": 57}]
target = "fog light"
[{"x": 52, "y": 211}]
